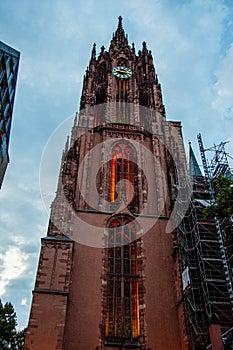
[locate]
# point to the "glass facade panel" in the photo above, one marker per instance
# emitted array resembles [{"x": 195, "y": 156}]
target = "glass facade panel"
[{"x": 9, "y": 62}]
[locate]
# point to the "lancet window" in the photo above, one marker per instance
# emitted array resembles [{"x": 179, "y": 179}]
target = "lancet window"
[
  {"x": 123, "y": 166},
  {"x": 122, "y": 323},
  {"x": 122, "y": 89},
  {"x": 102, "y": 73}
]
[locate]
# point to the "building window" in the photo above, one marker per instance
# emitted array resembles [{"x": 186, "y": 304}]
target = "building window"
[
  {"x": 122, "y": 323},
  {"x": 102, "y": 73},
  {"x": 123, "y": 166},
  {"x": 143, "y": 98},
  {"x": 122, "y": 89}
]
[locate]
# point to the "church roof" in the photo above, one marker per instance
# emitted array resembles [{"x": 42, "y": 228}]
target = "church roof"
[{"x": 194, "y": 169}]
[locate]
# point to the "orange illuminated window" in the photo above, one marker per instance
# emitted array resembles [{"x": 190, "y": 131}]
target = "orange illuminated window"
[
  {"x": 122, "y": 324},
  {"x": 122, "y": 88},
  {"x": 123, "y": 167}
]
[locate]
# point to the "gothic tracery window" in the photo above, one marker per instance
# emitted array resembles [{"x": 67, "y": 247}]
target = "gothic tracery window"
[
  {"x": 139, "y": 74},
  {"x": 143, "y": 97},
  {"x": 101, "y": 79},
  {"x": 102, "y": 73},
  {"x": 122, "y": 89},
  {"x": 124, "y": 167},
  {"x": 122, "y": 323}
]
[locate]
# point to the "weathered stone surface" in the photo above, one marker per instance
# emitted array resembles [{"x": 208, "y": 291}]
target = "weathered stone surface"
[{"x": 69, "y": 303}]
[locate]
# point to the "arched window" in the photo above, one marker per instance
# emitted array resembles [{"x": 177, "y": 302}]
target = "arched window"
[
  {"x": 124, "y": 167},
  {"x": 101, "y": 95},
  {"x": 122, "y": 89},
  {"x": 102, "y": 73},
  {"x": 122, "y": 322},
  {"x": 139, "y": 74},
  {"x": 143, "y": 98},
  {"x": 101, "y": 80}
]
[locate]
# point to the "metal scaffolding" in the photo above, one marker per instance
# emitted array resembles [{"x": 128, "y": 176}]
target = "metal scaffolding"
[
  {"x": 219, "y": 162},
  {"x": 207, "y": 287}
]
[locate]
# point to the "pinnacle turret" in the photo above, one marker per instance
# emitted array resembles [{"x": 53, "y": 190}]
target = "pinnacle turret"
[
  {"x": 119, "y": 22},
  {"x": 144, "y": 48},
  {"x": 93, "y": 53},
  {"x": 119, "y": 38}
]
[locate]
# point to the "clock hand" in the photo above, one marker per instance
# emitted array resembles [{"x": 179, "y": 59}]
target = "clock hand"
[{"x": 122, "y": 71}]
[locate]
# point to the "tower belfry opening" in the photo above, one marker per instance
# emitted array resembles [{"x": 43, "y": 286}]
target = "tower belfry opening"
[{"x": 128, "y": 260}]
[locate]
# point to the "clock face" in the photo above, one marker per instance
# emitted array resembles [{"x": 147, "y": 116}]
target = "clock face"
[{"x": 122, "y": 72}]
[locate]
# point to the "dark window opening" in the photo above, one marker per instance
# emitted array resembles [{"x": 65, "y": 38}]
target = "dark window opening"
[{"x": 122, "y": 89}]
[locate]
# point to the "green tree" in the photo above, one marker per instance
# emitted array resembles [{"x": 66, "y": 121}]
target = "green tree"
[
  {"x": 10, "y": 338},
  {"x": 222, "y": 208}
]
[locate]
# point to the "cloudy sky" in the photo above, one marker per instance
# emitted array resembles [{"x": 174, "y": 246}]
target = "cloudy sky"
[{"x": 192, "y": 45}]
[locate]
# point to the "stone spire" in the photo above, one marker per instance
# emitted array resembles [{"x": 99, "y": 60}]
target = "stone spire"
[
  {"x": 194, "y": 169},
  {"x": 119, "y": 38}
]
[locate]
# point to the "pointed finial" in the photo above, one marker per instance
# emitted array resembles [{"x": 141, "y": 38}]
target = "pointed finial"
[
  {"x": 93, "y": 54},
  {"x": 133, "y": 48},
  {"x": 119, "y": 38},
  {"x": 67, "y": 144},
  {"x": 144, "y": 48},
  {"x": 102, "y": 49},
  {"x": 75, "y": 118}
]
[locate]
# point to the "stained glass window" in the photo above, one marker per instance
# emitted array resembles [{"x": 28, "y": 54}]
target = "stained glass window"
[
  {"x": 122, "y": 326},
  {"x": 124, "y": 167}
]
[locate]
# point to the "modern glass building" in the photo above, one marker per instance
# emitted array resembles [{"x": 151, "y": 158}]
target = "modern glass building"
[{"x": 9, "y": 63}]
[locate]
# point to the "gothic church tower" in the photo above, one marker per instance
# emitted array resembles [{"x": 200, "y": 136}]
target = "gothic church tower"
[{"x": 107, "y": 276}]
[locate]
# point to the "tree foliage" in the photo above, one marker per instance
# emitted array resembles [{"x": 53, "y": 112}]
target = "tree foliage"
[
  {"x": 222, "y": 208},
  {"x": 10, "y": 338}
]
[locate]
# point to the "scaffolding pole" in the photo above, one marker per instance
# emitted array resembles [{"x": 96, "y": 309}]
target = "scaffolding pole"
[
  {"x": 218, "y": 166},
  {"x": 202, "y": 257}
]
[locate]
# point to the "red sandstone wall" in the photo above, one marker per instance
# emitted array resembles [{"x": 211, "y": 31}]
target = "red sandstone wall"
[
  {"x": 161, "y": 316},
  {"x": 162, "y": 319},
  {"x": 82, "y": 315},
  {"x": 46, "y": 328},
  {"x": 48, "y": 312},
  {"x": 84, "y": 308}
]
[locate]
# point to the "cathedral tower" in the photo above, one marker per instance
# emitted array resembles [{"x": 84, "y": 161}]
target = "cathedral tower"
[{"x": 107, "y": 275}]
